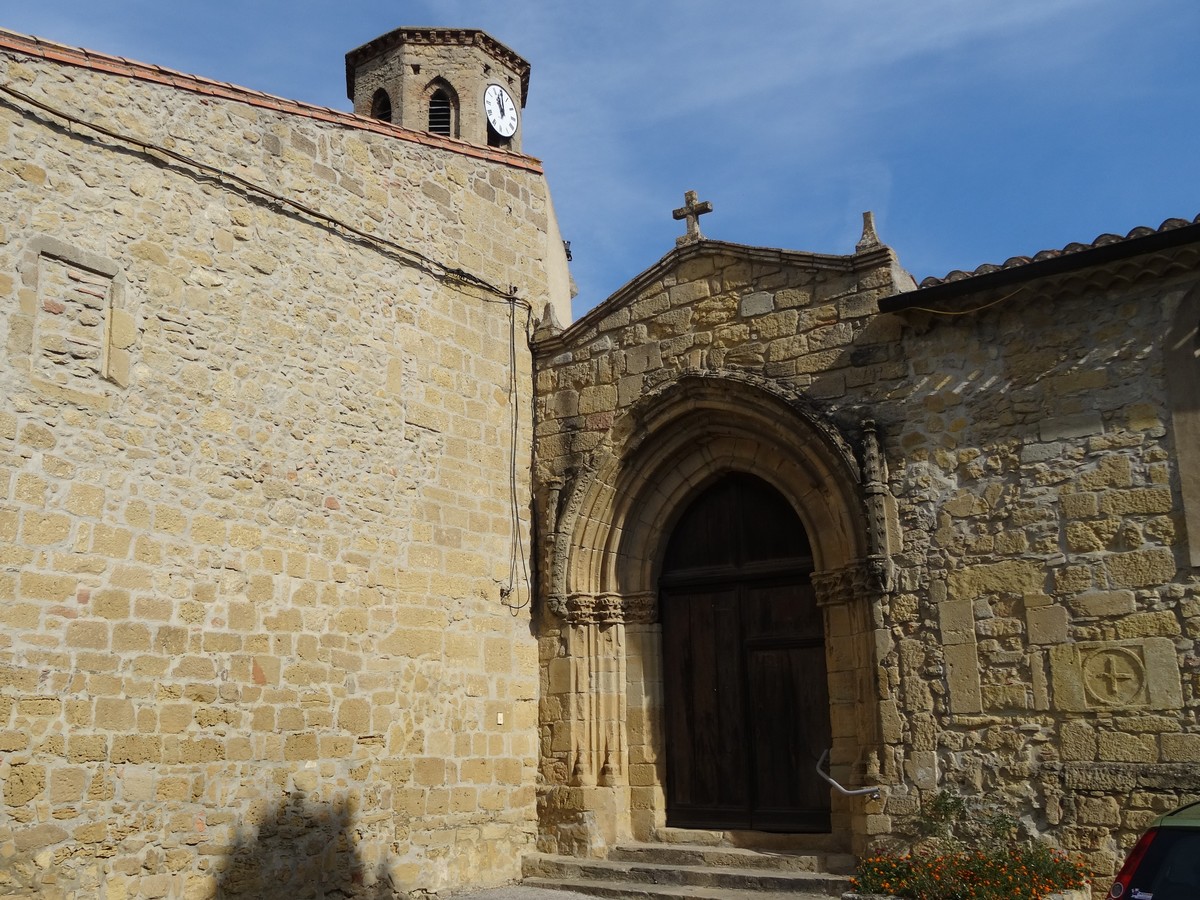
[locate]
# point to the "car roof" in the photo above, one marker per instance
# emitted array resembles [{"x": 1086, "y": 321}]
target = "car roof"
[{"x": 1187, "y": 816}]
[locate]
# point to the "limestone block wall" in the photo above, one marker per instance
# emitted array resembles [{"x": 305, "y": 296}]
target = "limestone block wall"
[
  {"x": 1034, "y": 646},
  {"x": 1045, "y": 624},
  {"x": 784, "y": 316},
  {"x": 260, "y": 627}
]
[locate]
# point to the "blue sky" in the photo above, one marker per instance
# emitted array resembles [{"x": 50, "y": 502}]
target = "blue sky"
[{"x": 975, "y": 130}]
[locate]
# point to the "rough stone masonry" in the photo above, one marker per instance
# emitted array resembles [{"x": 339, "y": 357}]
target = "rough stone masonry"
[
  {"x": 993, "y": 476},
  {"x": 255, "y": 499}
]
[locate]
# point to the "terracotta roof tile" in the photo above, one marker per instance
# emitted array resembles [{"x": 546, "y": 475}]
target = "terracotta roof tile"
[
  {"x": 1017, "y": 261},
  {"x": 29, "y": 45}
]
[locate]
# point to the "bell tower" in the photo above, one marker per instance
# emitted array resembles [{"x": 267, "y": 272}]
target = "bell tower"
[{"x": 457, "y": 82}]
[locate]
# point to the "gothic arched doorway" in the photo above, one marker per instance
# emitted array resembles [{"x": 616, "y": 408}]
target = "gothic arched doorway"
[{"x": 745, "y": 693}]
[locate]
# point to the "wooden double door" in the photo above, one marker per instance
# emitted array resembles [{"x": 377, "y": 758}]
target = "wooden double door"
[{"x": 745, "y": 689}]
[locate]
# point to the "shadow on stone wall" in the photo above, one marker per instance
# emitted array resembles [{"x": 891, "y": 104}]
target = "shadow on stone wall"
[{"x": 301, "y": 851}]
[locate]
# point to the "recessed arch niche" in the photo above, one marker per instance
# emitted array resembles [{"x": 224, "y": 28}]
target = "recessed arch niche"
[{"x": 605, "y": 562}]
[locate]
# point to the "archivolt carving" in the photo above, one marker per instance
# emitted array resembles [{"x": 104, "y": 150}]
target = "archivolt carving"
[
  {"x": 610, "y": 514},
  {"x": 659, "y": 405},
  {"x": 611, "y": 520}
]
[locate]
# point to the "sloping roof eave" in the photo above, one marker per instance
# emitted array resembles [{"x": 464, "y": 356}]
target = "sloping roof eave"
[{"x": 1074, "y": 257}]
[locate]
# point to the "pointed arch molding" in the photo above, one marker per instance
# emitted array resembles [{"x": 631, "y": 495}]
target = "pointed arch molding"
[
  {"x": 607, "y": 524},
  {"x": 620, "y": 509}
]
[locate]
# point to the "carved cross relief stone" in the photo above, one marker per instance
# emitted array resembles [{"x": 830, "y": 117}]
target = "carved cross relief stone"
[{"x": 1116, "y": 675}]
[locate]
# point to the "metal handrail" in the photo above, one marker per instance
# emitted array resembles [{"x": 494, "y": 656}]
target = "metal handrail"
[{"x": 873, "y": 792}]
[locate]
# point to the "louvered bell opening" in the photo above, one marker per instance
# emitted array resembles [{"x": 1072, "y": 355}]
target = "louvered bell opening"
[{"x": 440, "y": 113}]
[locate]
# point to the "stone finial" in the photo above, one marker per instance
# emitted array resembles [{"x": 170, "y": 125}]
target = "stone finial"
[
  {"x": 692, "y": 211},
  {"x": 869, "y": 239},
  {"x": 548, "y": 325}
]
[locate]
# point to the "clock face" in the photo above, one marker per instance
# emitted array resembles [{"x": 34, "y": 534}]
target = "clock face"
[{"x": 501, "y": 110}]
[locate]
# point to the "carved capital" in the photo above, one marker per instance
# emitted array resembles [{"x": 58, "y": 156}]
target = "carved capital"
[
  {"x": 844, "y": 586},
  {"x": 605, "y": 609},
  {"x": 557, "y": 604},
  {"x": 882, "y": 572},
  {"x": 641, "y": 608}
]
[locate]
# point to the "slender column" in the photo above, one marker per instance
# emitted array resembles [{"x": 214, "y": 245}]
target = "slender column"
[
  {"x": 588, "y": 687},
  {"x": 597, "y": 704}
]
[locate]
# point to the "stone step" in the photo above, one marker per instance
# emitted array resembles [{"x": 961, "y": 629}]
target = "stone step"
[
  {"x": 569, "y": 873},
  {"x": 796, "y": 844},
  {"x": 634, "y": 891},
  {"x": 670, "y": 835},
  {"x": 734, "y": 857}
]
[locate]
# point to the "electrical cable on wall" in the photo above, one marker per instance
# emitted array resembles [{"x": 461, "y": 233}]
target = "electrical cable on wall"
[
  {"x": 510, "y": 593},
  {"x": 408, "y": 255},
  {"x": 965, "y": 312}
]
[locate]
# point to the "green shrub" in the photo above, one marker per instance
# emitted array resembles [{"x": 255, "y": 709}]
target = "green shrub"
[{"x": 966, "y": 857}]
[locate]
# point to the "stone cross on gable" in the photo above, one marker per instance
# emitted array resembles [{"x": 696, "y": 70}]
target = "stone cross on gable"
[{"x": 692, "y": 211}]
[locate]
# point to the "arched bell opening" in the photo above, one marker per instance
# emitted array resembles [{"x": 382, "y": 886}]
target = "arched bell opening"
[
  {"x": 441, "y": 107},
  {"x": 381, "y": 106}
]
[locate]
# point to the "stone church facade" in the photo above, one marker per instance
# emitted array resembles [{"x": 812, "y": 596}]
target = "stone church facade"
[
  {"x": 992, "y": 472},
  {"x": 284, "y": 604}
]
